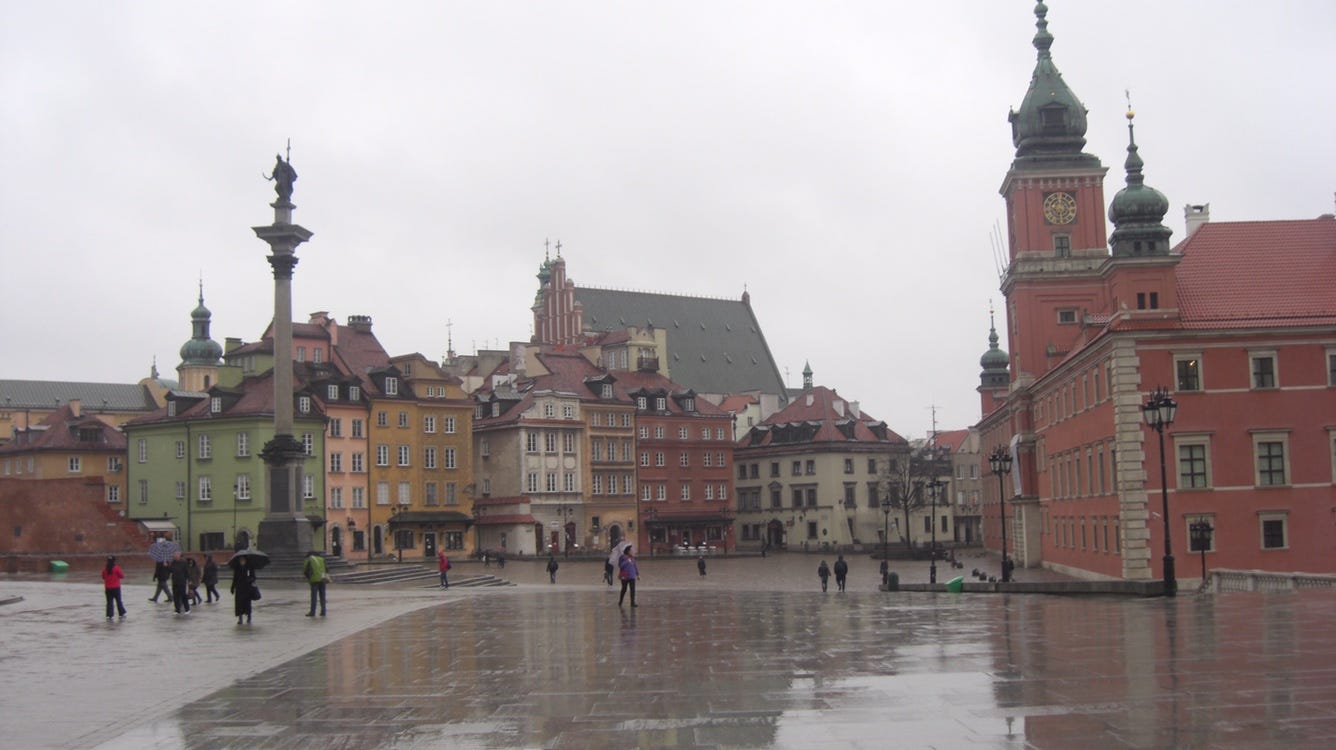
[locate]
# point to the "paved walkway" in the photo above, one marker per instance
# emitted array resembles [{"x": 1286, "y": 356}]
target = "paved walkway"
[{"x": 700, "y": 664}]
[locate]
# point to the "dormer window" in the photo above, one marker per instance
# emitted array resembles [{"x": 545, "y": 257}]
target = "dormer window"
[
  {"x": 171, "y": 408},
  {"x": 303, "y": 404},
  {"x": 216, "y": 405},
  {"x": 642, "y": 403},
  {"x": 496, "y": 408},
  {"x": 355, "y": 393},
  {"x": 660, "y": 404},
  {"x": 689, "y": 404},
  {"x": 606, "y": 391},
  {"x": 332, "y": 393},
  {"x": 391, "y": 386}
]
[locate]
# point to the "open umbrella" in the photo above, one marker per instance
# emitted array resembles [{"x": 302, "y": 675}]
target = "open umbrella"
[
  {"x": 618, "y": 550},
  {"x": 254, "y": 558},
  {"x": 162, "y": 550}
]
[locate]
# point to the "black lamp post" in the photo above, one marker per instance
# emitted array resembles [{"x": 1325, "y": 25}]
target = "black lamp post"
[
  {"x": 1000, "y": 464},
  {"x": 886, "y": 534},
  {"x": 1159, "y": 412},
  {"x": 933, "y": 487},
  {"x": 1200, "y": 532}
]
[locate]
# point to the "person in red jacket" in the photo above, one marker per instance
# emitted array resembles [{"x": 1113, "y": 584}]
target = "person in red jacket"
[
  {"x": 445, "y": 567},
  {"x": 112, "y": 575}
]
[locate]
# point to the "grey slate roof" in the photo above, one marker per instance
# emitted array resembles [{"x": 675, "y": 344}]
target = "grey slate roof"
[
  {"x": 44, "y": 394},
  {"x": 714, "y": 345}
]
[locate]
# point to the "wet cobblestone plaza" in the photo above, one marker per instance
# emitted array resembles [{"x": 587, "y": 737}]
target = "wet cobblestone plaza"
[{"x": 700, "y": 664}]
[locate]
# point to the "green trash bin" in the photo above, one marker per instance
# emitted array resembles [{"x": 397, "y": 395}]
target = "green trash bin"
[
  {"x": 956, "y": 585},
  {"x": 59, "y": 566}
]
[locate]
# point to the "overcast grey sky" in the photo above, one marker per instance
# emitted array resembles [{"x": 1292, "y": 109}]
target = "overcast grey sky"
[{"x": 840, "y": 161}]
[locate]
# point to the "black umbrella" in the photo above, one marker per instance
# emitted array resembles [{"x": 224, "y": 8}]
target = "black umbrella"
[
  {"x": 255, "y": 559},
  {"x": 162, "y": 550}
]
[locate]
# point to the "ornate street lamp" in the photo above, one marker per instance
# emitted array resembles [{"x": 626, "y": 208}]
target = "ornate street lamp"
[
  {"x": 933, "y": 487},
  {"x": 1000, "y": 464},
  {"x": 1159, "y": 412},
  {"x": 886, "y": 536}
]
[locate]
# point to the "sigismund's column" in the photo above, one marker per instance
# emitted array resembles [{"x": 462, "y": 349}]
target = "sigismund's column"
[{"x": 285, "y": 529}]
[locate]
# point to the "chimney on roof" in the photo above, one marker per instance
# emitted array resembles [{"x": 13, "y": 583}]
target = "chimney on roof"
[
  {"x": 76, "y": 408},
  {"x": 1196, "y": 214},
  {"x": 360, "y": 323},
  {"x": 855, "y": 409},
  {"x": 839, "y": 407}
]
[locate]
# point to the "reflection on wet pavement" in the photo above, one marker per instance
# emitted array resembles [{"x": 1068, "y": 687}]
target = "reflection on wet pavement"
[{"x": 719, "y": 668}]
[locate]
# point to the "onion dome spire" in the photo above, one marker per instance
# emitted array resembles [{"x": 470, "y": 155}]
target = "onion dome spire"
[
  {"x": 1051, "y": 122},
  {"x": 1137, "y": 211},
  {"x": 994, "y": 362},
  {"x": 200, "y": 349}
]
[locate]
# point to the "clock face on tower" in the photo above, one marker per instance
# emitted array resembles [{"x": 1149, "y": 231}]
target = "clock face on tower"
[{"x": 1059, "y": 208}]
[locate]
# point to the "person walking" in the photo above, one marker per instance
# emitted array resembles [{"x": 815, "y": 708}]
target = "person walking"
[
  {"x": 161, "y": 575},
  {"x": 314, "y": 570},
  {"x": 626, "y": 564},
  {"x": 112, "y": 575},
  {"x": 552, "y": 568},
  {"x": 841, "y": 572},
  {"x": 193, "y": 577},
  {"x": 700, "y": 565},
  {"x": 501, "y": 560},
  {"x": 210, "y": 580},
  {"x": 243, "y": 588},
  {"x": 180, "y": 576},
  {"x": 823, "y": 571},
  {"x": 445, "y": 568}
]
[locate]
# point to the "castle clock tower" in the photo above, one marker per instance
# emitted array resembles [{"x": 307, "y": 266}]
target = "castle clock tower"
[{"x": 1054, "y": 194}]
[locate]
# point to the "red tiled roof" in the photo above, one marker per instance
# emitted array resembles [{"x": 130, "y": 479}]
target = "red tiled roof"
[
  {"x": 738, "y": 403},
  {"x": 952, "y": 439},
  {"x": 827, "y": 410},
  {"x": 1259, "y": 273}
]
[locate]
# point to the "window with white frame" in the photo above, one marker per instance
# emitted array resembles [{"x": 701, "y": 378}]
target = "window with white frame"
[
  {"x": 308, "y": 487},
  {"x": 642, "y": 403},
  {"x": 606, "y": 391},
  {"x": 331, "y": 393},
  {"x": 429, "y": 457},
  {"x": 205, "y": 447},
  {"x": 403, "y": 419},
  {"x": 429, "y": 496},
  {"x": 1271, "y": 455},
  {"x": 75, "y": 464},
  {"x": 450, "y": 459},
  {"x": 568, "y": 442},
  {"x": 382, "y": 419},
  {"x": 531, "y": 442},
  {"x": 1187, "y": 372},
  {"x": 659, "y": 458},
  {"x": 308, "y": 443},
  {"x": 596, "y": 486},
  {"x": 391, "y": 386},
  {"x": 113, "y": 493},
  {"x": 354, "y": 393},
  {"x": 1274, "y": 529},
  {"x": 336, "y": 427},
  {"x": 303, "y": 404},
  {"x": 709, "y": 492},
  {"x": 359, "y": 497},
  {"x": 661, "y": 492},
  {"x": 205, "y": 489},
  {"x": 644, "y": 458},
  {"x": 358, "y": 428},
  {"x": 660, "y": 403},
  {"x": 681, "y": 433},
  {"x": 1194, "y": 468},
  {"x": 645, "y": 492},
  {"x": 551, "y": 481},
  {"x": 644, "y": 432},
  {"x": 1263, "y": 366},
  {"x": 684, "y": 459},
  {"x": 549, "y": 409},
  {"x": 405, "y": 455},
  {"x": 243, "y": 487},
  {"x": 405, "y": 493},
  {"x": 141, "y": 450},
  {"x": 451, "y": 494},
  {"x": 429, "y": 424},
  {"x": 336, "y": 463},
  {"x": 568, "y": 411},
  {"x": 531, "y": 482},
  {"x": 723, "y": 494},
  {"x": 486, "y": 486},
  {"x": 382, "y": 493},
  {"x": 684, "y": 491},
  {"x": 113, "y": 464},
  {"x": 382, "y": 454},
  {"x": 449, "y": 426},
  {"x": 143, "y": 491},
  {"x": 359, "y": 463}
]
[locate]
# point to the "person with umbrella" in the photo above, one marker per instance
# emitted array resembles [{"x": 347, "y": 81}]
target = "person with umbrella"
[
  {"x": 629, "y": 574},
  {"x": 160, "y": 552},
  {"x": 244, "y": 589}
]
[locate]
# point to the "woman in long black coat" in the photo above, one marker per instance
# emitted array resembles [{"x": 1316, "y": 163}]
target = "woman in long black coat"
[{"x": 243, "y": 588}]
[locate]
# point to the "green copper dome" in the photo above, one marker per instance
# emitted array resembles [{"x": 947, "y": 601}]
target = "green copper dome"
[
  {"x": 200, "y": 349},
  {"x": 994, "y": 358},
  {"x": 1051, "y": 121},
  {"x": 1137, "y": 211}
]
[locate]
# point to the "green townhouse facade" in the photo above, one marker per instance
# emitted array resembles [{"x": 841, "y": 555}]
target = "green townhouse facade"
[{"x": 195, "y": 465}]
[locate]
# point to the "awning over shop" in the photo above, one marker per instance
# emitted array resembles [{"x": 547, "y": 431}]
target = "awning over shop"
[
  {"x": 157, "y": 525},
  {"x": 422, "y": 517}
]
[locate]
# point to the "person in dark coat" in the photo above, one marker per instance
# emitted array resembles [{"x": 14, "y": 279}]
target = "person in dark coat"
[
  {"x": 180, "y": 575},
  {"x": 161, "y": 575},
  {"x": 841, "y": 571},
  {"x": 552, "y": 568},
  {"x": 626, "y": 565},
  {"x": 193, "y": 576},
  {"x": 700, "y": 565},
  {"x": 210, "y": 580},
  {"x": 823, "y": 571},
  {"x": 243, "y": 588}
]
